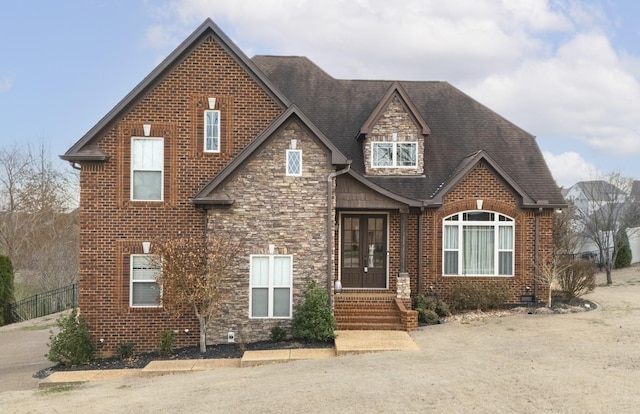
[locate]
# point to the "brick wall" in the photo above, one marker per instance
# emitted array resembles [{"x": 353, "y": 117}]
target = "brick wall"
[
  {"x": 113, "y": 227},
  {"x": 272, "y": 208}
]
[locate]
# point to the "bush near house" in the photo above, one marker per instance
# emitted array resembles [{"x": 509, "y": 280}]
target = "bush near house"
[
  {"x": 469, "y": 295},
  {"x": 430, "y": 309},
  {"x": 72, "y": 345},
  {"x": 312, "y": 318},
  {"x": 576, "y": 279}
]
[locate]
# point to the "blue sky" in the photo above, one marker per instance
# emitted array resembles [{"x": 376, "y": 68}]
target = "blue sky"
[{"x": 566, "y": 71}]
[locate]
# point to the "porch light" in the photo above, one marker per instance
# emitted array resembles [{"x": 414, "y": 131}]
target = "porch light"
[
  {"x": 212, "y": 103},
  {"x": 337, "y": 286},
  {"x": 145, "y": 247},
  {"x": 147, "y": 129},
  {"x": 479, "y": 204}
]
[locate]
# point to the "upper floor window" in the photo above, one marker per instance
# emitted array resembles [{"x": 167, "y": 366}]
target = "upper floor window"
[
  {"x": 147, "y": 169},
  {"x": 212, "y": 131},
  {"x": 144, "y": 289},
  {"x": 270, "y": 295},
  {"x": 478, "y": 243},
  {"x": 294, "y": 162},
  {"x": 394, "y": 154}
]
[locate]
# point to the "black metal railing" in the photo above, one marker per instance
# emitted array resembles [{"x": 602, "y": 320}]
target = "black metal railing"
[{"x": 43, "y": 304}]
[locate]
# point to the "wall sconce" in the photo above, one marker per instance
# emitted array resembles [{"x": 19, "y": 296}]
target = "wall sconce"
[
  {"x": 147, "y": 129},
  {"x": 294, "y": 143},
  {"x": 272, "y": 249},
  {"x": 145, "y": 247},
  {"x": 337, "y": 286},
  {"x": 212, "y": 103},
  {"x": 479, "y": 204}
]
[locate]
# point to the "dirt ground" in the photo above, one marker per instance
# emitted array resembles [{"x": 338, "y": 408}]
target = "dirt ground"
[{"x": 586, "y": 362}]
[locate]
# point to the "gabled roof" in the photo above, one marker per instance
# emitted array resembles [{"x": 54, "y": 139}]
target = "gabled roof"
[
  {"x": 599, "y": 190},
  {"x": 207, "y": 195},
  {"x": 459, "y": 126},
  {"x": 86, "y": 149},
  {"x": 395, "y": 90}
]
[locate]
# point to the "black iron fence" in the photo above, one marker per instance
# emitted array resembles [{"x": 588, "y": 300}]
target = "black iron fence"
[{"x": 43, "y": 304}]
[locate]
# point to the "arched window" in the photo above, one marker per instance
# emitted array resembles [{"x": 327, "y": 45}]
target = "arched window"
[{"x": 477, "y": 243}]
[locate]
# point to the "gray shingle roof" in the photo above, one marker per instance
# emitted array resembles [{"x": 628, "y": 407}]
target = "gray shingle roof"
[{"x": 460, "y": 126}]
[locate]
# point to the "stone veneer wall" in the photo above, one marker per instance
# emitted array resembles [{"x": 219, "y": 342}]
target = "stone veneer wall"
[
  {"x": 395, "y": 119},
  {"x": 272, "y": 208}
]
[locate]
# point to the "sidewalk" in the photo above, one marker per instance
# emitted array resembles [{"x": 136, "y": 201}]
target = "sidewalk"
[{"x": 346, "y": 343}]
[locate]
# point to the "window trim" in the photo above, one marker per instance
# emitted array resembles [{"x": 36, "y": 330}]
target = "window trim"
[
  {"x": 270, "y": 286},
  {"x": 394, "y": 154},
  {"x": 132, "y": 282},
  {"x": 458, "y": 221},
  {"x": 204, "y": 134},
  {"x": 295, "y": 151},
  {"x": 133, "y": 170}
]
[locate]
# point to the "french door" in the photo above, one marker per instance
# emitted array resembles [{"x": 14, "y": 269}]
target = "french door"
[{"x": 364, "y": 251}]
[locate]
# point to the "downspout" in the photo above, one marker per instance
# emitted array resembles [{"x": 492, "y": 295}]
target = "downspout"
[
  {"x": 420, "y": 241},
  {"x": 536, "y": 232},
  {"x": 330, "y": 230}
]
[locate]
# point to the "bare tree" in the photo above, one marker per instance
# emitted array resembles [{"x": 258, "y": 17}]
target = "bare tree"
[
  {"x": 607, "y": 212},
  {"x": 193, "y": 272},
  {"x": 38, "y": 227}
]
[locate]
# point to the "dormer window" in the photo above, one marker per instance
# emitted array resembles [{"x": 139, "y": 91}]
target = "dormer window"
[{"x": 394, "y": 154}]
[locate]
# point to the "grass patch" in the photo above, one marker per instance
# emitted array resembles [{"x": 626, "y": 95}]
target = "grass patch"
[
  {"x": 59, "y": 388},
  {"x": 38, "y": 328}
]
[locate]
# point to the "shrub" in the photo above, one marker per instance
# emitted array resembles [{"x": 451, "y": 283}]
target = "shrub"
[
  {"x": 577, "y": 279},
  {"x": 6, "y": 288},
  {"x": 125, "y": 350},
  {"x": 72, "y": 345},
  {"x": 470, "y": 295},
  {"x": 278, "y": 334},
  {"x": 430, "y": 309},
  {"x": 167, "y": 340},
  {"x": 623, "y": 259},
  {"x": 312, "y": 318}
]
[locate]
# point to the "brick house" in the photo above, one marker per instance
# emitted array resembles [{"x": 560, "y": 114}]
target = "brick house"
[{"x": 376, "y": 189}]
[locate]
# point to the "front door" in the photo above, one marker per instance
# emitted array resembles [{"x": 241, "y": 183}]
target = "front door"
[{"x": 364, "y": 251}]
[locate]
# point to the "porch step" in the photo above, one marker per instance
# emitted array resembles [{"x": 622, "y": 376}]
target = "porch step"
[{"x": 358, "y": 311}]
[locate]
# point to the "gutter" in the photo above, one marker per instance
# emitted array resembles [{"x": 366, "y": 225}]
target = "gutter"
[{"x": 330, "y": 230}]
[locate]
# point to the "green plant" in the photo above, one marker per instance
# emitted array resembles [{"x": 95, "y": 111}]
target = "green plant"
[
  {"x": 312, "y": 318},
  {"x": 6, "y": 288},
  {"x": 72, "y": 345},
  {"x": 577, "y": 279},
  {"x": 471, "y": 295},
  {"x": 166, "y": 342},
  {"x": 623, "y": 259},
  {"x": 278, "y": 334},
  {"x": 430, "y": 309},
  {"x": 125, "y": 350}
]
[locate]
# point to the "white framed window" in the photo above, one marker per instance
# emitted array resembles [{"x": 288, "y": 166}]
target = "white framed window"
[
  {"x": 394, "y": 154},
  {"x": 270, "y": 292},
  {"x": 294, "y": 162},
  {"x": 147, "y": 169},
  {"x": 144, "y": 290},
  {"x": 212, "y": 131},
  {"x": 478, "y": 243}
]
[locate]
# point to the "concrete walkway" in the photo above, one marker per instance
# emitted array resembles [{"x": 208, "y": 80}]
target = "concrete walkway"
[{"x": 346, "y": 343}]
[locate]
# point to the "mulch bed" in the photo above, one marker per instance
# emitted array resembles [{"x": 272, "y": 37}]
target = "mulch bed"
[{"x": 220, "y": 351}]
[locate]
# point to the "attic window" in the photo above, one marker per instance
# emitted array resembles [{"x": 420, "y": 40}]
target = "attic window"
[
  {"x": 212, "y": 131},
  {"x": 294, "y": 162},
  {"x": 394, "y": 154}
]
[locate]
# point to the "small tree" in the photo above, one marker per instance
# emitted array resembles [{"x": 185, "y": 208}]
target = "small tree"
[
  {"x": 624, "y": 251},
  {"x": 72, "y": 345},
  {"x": 193, "y": 273},
  {"x": 312, "y": 319},
  {"x": 6, "y": 287}
]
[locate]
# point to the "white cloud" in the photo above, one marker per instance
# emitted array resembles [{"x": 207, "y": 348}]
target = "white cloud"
[
  {"x": 569, "y": 167},
  {"x": 6, "y": 83}
]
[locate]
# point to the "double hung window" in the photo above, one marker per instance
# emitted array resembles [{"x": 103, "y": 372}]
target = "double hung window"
[
  {"x": 147, "y": 167},
  {"x": 270, "y": 295},
  {"x": 145, "y": 291},
  {"x": 394, "y": 154},
  {"x": 478, "y": 243}
]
